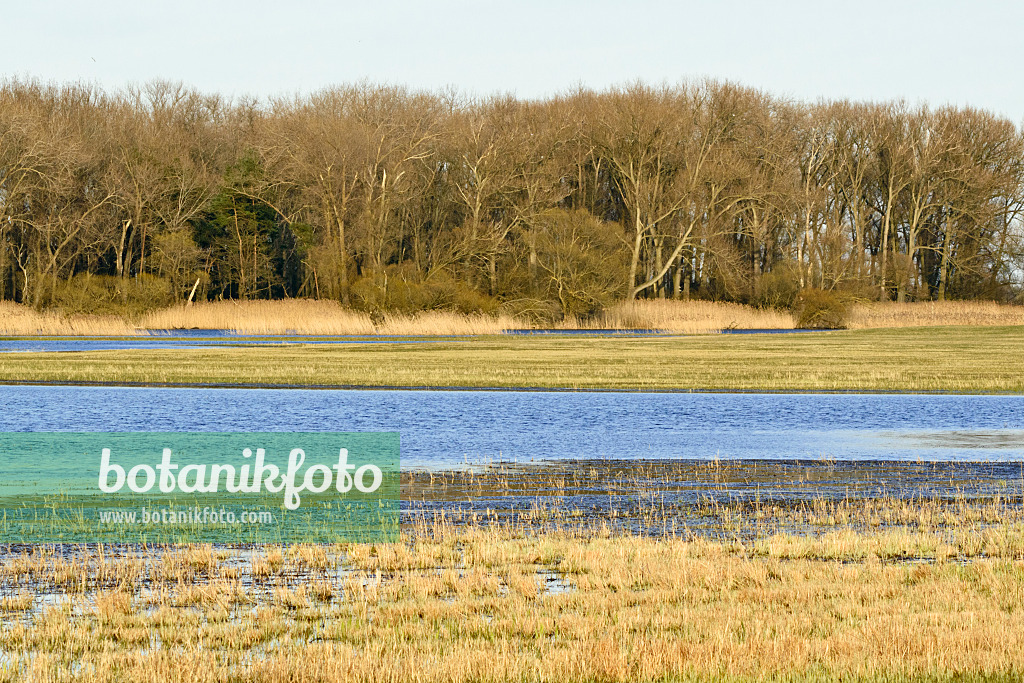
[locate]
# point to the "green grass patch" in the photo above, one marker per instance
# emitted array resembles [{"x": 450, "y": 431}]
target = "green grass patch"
[{"x": 937, "y": 359}]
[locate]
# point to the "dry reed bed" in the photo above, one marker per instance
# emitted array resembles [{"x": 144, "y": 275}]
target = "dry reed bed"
[
  {"x": 497, "y": 603},
  {"x": 295, "y": 316},
  {"x": 302, "y": 316},
  {"x": 688, "y": 317},
  {"x": 307, "y": 317},
  {"x": 16, "y": 319},
  {"x": 263, "y": 317},
  {"x": 934, "y": 313}
]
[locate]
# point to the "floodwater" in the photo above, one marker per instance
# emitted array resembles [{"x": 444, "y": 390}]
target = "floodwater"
[
  {"x": 183, "y": 339},
  {"x": 71, "y": 344},
  {"x": 448, "y": 429},
  {"x": 608, "y": 455},
  {"x": 605, "y": 453}
]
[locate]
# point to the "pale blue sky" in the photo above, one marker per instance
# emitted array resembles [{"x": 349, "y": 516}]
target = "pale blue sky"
[{"x": 939, "y": 51}]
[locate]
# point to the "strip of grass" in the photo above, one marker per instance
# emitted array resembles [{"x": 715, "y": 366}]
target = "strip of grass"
[{"x": 946, "y": 359}]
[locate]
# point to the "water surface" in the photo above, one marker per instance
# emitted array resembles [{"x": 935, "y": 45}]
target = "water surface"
[
  {"x": 71, "y": 344},
  {"x": 182, "y": 339},
  {"x": 444, "y": 429}
]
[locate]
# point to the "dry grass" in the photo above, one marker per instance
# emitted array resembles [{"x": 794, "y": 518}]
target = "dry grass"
[
  {"x": 747, "y": 499},
  {"x": 456, "y": 604},
  {"x": 934, "y": 313},
  {"x": 16, "y": 319},
  {"x": 697, "y": 317},
  {"x": 442, "y": 323},
  {"x": 294, "y": 316},
  {"x": 308, "y": 317},
  {"x": 689, "y": 317}
]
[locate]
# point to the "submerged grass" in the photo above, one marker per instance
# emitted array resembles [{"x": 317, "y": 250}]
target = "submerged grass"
[
  {"x": 460, "y": 602},
  {"x": 727, "y": 499},
  {"x": 951, "y": 359}
]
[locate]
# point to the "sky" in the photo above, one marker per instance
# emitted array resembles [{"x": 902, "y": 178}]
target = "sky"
[{"x": 938, "y": 52}]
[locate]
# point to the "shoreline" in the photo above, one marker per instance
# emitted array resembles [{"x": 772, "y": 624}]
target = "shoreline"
[{"x": 461, "y": 388}]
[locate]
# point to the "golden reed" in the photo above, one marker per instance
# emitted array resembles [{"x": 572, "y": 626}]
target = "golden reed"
[{"x": 309, "y": 317}]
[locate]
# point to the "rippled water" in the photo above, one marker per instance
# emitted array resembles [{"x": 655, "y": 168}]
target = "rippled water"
[
  {"x": 448, "y": 428},
  {"x": 184, "y": 342},
  {"x": 181, "y": 339}
]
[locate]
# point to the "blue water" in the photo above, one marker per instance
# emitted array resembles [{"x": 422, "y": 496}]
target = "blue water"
[
  {"x": 170, "y": 342},
  {"x": 181, "y": 339},
  {"x": 448, "y": 428}
]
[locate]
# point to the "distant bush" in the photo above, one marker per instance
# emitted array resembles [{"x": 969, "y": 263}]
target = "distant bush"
[
  {"x": 777, "y": 288},
  {"x": 818, "y": 309},
  {"x": 535, "y": 311},
  {"x": 402, "y": 289},
  {"x": 583, "y": 261},
  {"x": 111, "y": 295}
]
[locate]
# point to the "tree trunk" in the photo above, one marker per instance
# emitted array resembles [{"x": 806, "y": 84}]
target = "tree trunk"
[
  {"x": 883, "y": 295},
  {"x": 659, "y": 288},
  {"x": 634, "y": 263},
  {"x": 944, "y": 266}
]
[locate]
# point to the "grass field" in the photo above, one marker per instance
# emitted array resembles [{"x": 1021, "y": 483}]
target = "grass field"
[{"x": 939, "y": 359}]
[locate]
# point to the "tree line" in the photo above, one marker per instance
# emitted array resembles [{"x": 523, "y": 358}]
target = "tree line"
[{"x": 387, "y": 198}]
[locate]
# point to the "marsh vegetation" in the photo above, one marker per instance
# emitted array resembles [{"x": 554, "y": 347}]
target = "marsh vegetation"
[{"x": 872, "y": 588}]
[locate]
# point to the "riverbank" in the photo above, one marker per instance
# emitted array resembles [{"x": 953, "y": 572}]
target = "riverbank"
[{"x": 938, "y": 359}]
